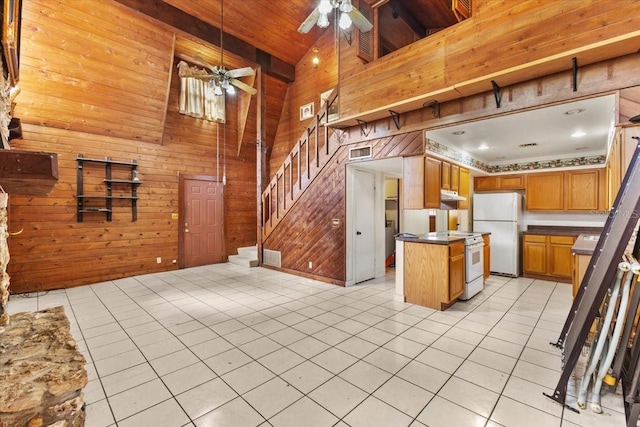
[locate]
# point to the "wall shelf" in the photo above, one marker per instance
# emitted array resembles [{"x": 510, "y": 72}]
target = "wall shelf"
[{"x": 110, "y": 183}]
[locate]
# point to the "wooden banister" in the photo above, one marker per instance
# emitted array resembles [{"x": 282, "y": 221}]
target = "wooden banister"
[{"x": 290, "y": 184}]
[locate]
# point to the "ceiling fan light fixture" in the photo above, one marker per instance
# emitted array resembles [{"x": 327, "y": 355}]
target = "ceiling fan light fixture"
[
  {"x": 345, "y": 21},
  {"x": 325, "y": 7},
  {"x": 346, "y": 6},
  {"x": 323, "y": 21},
  {"x": 231, "y": 90},
  {"x": 217, "y": 90}
]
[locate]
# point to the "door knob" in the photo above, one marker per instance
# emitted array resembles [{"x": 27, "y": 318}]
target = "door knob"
[
  {"x": 358, "y": 233},
  {"x": 186, "y": 230}
]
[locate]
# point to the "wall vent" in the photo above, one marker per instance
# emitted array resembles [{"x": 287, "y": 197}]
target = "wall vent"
[
  {"x": 531, "y": 144},
  {"x": 271, "y": 257},
  {"x": 360, "y": 153}
]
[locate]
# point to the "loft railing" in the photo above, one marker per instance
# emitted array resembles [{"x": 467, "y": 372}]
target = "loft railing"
[{"x": 311, "y": 153}]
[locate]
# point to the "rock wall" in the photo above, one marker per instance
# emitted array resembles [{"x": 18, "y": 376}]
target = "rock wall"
[{"x": 42, "y": 372}]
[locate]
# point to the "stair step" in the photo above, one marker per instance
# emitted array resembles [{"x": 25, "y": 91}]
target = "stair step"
[{"x": 247, "y": 257}]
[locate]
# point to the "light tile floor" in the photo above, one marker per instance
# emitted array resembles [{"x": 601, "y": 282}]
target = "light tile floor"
[{"x": 223, "y": 345}]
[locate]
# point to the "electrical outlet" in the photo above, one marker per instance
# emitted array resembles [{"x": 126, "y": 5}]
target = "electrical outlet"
[
  {"x": 310, "y": 264},
  {"x": 175, "y": 261},
  {"x": 174, "y": 216},
  {"x": 159, "y": 260}
]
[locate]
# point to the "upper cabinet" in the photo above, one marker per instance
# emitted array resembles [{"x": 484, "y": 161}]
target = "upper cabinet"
[
  {"x": 572, "y": 190},
  {"x": 446, "y": 176},
  {"x": 499, "y": 183},
  {"x": 545, "y": 191},
  {"x": 432, "y": 182},
  {"x": 464, "y": 188}
]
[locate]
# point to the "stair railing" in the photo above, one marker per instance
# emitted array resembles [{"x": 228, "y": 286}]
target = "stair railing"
[{"x": 306, "y": 159}]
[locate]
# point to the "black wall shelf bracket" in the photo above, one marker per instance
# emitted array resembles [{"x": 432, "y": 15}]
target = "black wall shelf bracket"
[
  {"x": 497, "y": 93},
  {"x": 396, "y": 118},
  {"x": 435, "y": 106},
  {"x": 574, "y": 62},
  {"x": 365, "y": 130}
]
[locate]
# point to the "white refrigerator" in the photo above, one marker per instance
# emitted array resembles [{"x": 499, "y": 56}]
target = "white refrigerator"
[{"x": 500, "y": 214}]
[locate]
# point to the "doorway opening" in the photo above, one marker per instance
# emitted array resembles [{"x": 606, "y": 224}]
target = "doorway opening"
[{"x": 372, "y": 218}]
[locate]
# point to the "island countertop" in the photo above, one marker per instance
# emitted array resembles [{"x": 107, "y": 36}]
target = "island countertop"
[
  {"x": 437, "y": 237},
  {"x": 585, "y": 244}
]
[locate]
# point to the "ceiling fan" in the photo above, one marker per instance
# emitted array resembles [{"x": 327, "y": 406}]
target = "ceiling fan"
[
  {"x": 223, "y": 79},
  {"x": 348, "y": 15}
]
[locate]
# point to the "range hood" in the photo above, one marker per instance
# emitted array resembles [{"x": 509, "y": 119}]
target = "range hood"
[{"x": 451, "y": 196}]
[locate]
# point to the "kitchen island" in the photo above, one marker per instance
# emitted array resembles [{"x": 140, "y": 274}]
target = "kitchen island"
[{"x": 430, "y": 269}]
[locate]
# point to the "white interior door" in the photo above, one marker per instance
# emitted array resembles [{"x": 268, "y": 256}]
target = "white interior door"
[{"x": 364, "y": 191}]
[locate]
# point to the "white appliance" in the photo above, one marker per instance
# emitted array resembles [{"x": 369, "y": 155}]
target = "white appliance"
[{"x": 500, "y": 214}]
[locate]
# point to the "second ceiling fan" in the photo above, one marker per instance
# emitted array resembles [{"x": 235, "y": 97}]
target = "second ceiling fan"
[{"x": 348, "y": 15}]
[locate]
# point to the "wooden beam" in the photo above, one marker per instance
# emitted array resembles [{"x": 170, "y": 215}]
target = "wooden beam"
[
  {"x": 244, "y": 102},
  {"x": 170, "y": 15},
  {"x": 28, "y": 173}
]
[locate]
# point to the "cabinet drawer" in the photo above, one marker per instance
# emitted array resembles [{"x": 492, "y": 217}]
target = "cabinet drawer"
[
  {"x": 562, "y": 240},
  {"x": 535, "y": 238},
  {"x": 456, "y": 249}
]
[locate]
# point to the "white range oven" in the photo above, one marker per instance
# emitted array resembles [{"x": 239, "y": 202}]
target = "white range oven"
[{"x": 473, "y": 265}]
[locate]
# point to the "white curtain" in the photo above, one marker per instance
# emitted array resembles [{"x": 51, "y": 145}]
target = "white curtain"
[{"x": 196, "y": 96}]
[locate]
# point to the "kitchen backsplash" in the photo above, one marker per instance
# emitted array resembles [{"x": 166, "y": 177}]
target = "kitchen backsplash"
[{"x": 575, "y": 219}]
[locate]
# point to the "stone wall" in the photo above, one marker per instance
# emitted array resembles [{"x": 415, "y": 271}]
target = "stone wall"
[{"x": 42, "y": 372}]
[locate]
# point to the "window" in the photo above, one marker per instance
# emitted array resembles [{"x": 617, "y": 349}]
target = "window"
[{"x": 196, "y": 96}]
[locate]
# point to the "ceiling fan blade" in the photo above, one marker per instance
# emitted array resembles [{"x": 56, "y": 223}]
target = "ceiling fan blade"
[
  {"x": 205, "y": 64},
  {"x": 308, "y": 23},
  {"x": 360, "y": 21},
  {"x": 241, "y": 72},
  {"x": 243, "y": 86}
]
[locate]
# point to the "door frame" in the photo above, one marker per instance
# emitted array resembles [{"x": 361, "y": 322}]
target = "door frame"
[
  {"x": 350, "y": 227},
  {"x": 181, "y": 214}
]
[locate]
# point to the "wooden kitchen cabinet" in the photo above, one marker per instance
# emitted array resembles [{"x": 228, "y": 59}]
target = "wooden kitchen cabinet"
[
  {"x": 487, "y": 256},
  {"x": 456, "y": 271},
  {"x": 455, "y": 178},
  {"x": 432, "y": 182},
  {"x": 583, "y": 190},
  {"x": 569, "y": 191},
  {"x": 580, "y": 265},
  {"x": 433, "y": 274},
  {"x": 534, "y": 255},
  {"x": 548, "y": 257},
  {"x": 413, "y": 182},
  {"x": 545, "y": 191},
  {"x": 464, "y": 188},
  {"x": 446, "y": 176},
  {"x": 499, "y": 183}
]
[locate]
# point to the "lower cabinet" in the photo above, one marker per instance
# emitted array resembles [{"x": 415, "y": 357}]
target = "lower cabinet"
[
  {"x": 487, "y": 257},
  {"x": 580, "y": 265},
  {"x": 456, "y": 270},
  {"x": 548, "y": 257},
  {"x": 433, "y": 274}
]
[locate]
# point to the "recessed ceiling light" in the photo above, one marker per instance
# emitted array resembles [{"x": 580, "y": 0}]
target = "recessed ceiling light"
[
  {"x": 578, "y": 134},
  {"x": 574, "y": 111},
  {"x": 483, "y": 147},
  {"x": 458, "y": 132},
  {"x": 531, "y": 144}
]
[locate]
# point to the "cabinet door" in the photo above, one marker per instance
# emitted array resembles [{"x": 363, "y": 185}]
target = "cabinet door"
[
  {"x": 432, "y": 176},
  {"x": 413, "y": 182},
  {"x": 486, "y": 183},
  {"x": 545, "y": 191},
  {"x": 455, "y": 178},
  {"x": 446, "y": 176},
  {"x": 487, "y": 257},
  {"x": 582, "y": 189},
  {"x": 463, "y": 188},
  {"x": 456, "y": 276},
  {"x": 512, "y": 182},
  {"x": 560, "y": 257},
  {"x": 534, "y": 257}
]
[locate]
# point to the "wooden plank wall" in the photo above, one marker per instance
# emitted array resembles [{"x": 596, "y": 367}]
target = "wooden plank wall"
[
  {"x": 310, "y": 83},
  {"x": 102, "y": 94},
  {"x": 307, "y": 233},
  {"x": 499, "y": 36}
]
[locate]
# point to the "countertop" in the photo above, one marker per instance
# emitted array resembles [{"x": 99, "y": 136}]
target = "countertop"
[
  {"x": 435, "y": 238},
  {"x": 585, "y": 244},
  {"x": 562, "y": 230}
]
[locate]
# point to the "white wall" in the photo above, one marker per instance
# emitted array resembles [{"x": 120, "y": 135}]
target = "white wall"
[
  {"x": 414, "y": 221},
  {"x": 565, "y": 219}
]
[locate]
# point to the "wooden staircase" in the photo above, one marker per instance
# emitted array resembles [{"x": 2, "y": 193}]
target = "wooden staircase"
[{"x": 314, "y": 149}]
